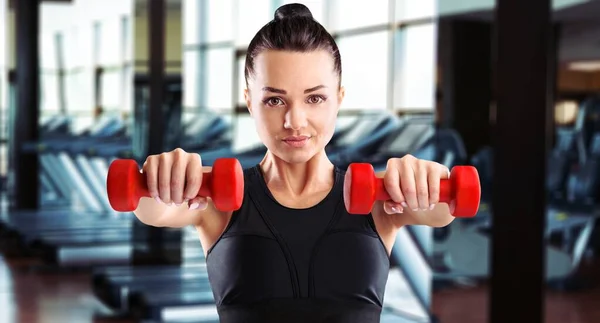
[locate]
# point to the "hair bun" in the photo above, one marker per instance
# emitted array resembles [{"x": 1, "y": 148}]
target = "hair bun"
[{"x": 292, "y": 10}]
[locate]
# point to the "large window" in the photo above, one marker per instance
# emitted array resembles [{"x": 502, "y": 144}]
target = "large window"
[
  {"x": 387, "y": 50},
  {"x": 414, "y": 86},
  {"x": 365, "y": 70},
  {"x": 208, "y": 56},
  {"x": 345, "y": 15}
]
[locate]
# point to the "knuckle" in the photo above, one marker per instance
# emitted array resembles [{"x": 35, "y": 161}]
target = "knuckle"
[
  {"x": 434, "y": 191},
  {"x": 410, "y": 191},
  {"x": 176, "y": 183},
  {"x": 164, "y": 157},
  {"x": 422, "y": 191},
  {"x": 179, "y": 152},
  {"x": 163, "y": 185}
]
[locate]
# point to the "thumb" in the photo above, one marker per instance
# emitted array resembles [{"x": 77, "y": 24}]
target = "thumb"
[{"x": 198, "y": 203}]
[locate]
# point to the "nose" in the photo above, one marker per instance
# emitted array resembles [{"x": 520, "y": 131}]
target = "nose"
[{"x": 295, "y": 118}]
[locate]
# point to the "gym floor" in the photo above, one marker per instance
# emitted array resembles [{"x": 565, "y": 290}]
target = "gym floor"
[{"x": 36, "y": 296}]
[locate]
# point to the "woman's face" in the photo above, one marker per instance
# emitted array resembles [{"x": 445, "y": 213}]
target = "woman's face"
[{"x": 294, "y": 99}]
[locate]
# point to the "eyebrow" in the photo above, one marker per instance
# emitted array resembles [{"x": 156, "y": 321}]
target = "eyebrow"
[{"x": 280, "y": 91}]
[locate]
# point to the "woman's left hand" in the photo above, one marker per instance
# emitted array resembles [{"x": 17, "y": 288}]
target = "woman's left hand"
[{"x": 414, "y": 185}]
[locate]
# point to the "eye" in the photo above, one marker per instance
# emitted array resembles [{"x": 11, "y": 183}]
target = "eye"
[
  {"x": 273, "y": 101},
  {"x": 316, "y": 99}
]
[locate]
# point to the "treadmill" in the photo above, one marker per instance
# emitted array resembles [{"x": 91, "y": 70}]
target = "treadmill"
[
  {"x": 406, "y": 139},
  {"x": 106, "y": 239}
]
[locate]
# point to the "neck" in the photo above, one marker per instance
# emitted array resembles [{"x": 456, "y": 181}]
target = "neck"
[{"x": 298, "y": 179}]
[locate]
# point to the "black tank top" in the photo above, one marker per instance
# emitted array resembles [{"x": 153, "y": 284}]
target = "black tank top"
[{"x": 277, "y": 264}]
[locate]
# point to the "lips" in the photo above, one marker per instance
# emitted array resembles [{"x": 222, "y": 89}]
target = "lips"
[
  {"x": 296, "y": 141},
  {"x": 296, "y": 138}
]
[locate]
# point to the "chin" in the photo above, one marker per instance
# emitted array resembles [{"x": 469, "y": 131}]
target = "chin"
[{"x": 295, "y": 156}]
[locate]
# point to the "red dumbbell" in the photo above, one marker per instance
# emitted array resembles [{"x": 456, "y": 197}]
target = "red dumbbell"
[
  {"x": 362, "y": 189},
  {"x": 224, "y": 185}
]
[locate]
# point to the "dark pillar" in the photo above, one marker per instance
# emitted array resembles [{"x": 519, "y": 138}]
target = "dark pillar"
[
  {"x": 154, "y": 245},
  {"x": 521, "y": 139},
  {"x": 24, "y": 126},
  {"x": 465, "y": 62},
  {"x": 156, "y": 70}
]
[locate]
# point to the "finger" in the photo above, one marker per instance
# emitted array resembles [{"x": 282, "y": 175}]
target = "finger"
[
  {"x": 150, "y": 168},
  {"x": 435, "y": 194},
  {"x": 178, "y": 174},
  {"x": 422, "y": 183},
  {"x": 391, "y": 207},
  {"x": 164, "y": 178},
  {"x": 193, "y": 177},
  {"x": 433, "y": 179},
  {"x": 409, "y": 186},
  {"x": 198, "y": 203},
  {"x": 391, "y": 181}
]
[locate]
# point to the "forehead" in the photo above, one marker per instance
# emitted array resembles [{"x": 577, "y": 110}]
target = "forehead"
[{"x": 294, "y": 68}]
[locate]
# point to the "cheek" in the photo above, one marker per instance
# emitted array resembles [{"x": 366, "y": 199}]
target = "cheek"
[{"x": 325, "y": 121}]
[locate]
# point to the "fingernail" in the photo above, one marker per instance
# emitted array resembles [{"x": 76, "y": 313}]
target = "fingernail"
[
  {"x": 158, "y": 200},
  {"x": 432, "y": 206},
  {"x": 170, "y": 204},
  {"x": 416, "y": 209},
  {"x": 404, "y": 204},
  {"x": 396, "y": 209},
  {"x": 194, "y": 206},
  {"x": 177, "y": 204}
]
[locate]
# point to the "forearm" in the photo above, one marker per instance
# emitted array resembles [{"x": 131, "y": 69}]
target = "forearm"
[
  {"x": 438, "y": 217},
  {"x": 156, "y": 214}
]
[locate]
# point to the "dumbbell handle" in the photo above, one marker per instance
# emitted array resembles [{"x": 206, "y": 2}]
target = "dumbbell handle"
[{"x": 381, "y": 193}]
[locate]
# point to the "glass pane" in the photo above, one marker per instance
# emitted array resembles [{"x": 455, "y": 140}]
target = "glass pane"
[
  {"x": 346, "y": 14},
  {"x": 415, "y": 9},
  {"x": 365, "y": 80},
  {"x": 127, "y": 105},
  {"x": 191, "y": 21},
  {"x": 110, "y": 42},
  {"x": 49, "y": 92},
  {"x": 317, "y": 8},
  {"x": 218, "y": 78},
  {"x": 414, "y": 83},
  {"x": 47, "y": 51},
  {"x": 70, "y": 49},
  {"x": 111, "y": 90},
  {"x": 127, "y": 41},
  {"x": 241, "y": 63},
  {"x": 250, "y": 16},
  {"x": 79, "y": 90},
  {"x": 220, "y": 20},
  {"x": 245, "y": 134},
  {"x": 190, "y": 80}
]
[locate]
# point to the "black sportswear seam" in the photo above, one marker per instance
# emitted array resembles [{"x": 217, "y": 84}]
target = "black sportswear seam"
[
  {"x": 294, "y": 277},
  {"x": 248, "y": 233},
  {"x": 232, "y": 219},
  {"x": 334, "y": 219}
]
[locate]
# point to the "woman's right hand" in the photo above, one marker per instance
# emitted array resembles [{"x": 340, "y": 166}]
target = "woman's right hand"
[{"x": 175, "y": 178}]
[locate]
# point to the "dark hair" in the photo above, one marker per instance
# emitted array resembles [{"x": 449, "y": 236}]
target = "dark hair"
[{"x": 292, "y": 29}]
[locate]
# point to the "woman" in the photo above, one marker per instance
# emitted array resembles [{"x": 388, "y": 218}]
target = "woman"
[{"x": 292, "y": 253}]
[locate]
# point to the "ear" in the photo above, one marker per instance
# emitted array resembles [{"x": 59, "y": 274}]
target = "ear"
[
  {"x": 341, "y": 95},
  {"x": 248, "y": 101}
]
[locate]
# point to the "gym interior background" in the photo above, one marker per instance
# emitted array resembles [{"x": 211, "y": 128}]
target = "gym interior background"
[{"x": 85, "y": 81}]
